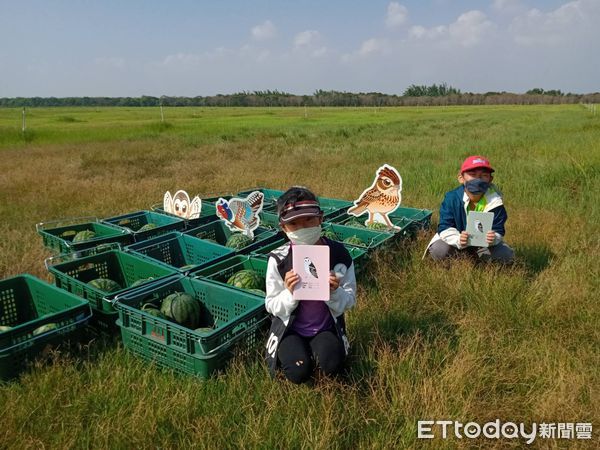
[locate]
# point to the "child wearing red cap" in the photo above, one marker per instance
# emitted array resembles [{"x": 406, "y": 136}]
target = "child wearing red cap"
[
  {"x": 475, "y": 193},
  {"x": 305, "y": 334}
]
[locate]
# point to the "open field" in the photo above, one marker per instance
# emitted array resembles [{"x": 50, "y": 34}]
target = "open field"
[{"x": 467, "y": 343}]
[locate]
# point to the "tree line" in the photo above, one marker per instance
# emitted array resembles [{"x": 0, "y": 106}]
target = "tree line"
[{"x": 414, "y": 95}]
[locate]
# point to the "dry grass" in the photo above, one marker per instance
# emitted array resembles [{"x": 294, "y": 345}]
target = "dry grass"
[{"x": 464, "y": 342}]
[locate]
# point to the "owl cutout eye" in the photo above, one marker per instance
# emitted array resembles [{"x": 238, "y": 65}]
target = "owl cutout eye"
[
  {"x": 177, "y": 206},
  {"x": 386, "y": 182},
  {"x": 184, "y": 208}
]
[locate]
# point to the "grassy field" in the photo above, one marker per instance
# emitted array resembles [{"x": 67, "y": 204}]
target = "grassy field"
[{"x": 466, "y": 342}]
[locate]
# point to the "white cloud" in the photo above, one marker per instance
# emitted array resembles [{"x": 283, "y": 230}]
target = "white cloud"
[
  {"x": 306, "y": 38},
  {"x": 570, "y": 21},
  {"x": 319, "y": 52},
  {"x": 419, "y": 32},
  {"x": 397, "y": 15},
  {"x": 264, "y": 31},
  {"x": 470, "y": 28},
  {"x": 508, "y": 6}
]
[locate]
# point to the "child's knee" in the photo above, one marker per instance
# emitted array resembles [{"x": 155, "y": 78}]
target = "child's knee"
[
  {"x": 439, "y": 250},
  {"x": 298, "y": 371},
  {"x": 502, "y": 253}
]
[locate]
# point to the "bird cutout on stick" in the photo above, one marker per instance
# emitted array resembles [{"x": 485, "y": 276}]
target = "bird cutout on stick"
[
  {"x": 309, "y": 267},
  {"x": 381, "y": 198},
  {"x": 241, "y": 214},
  {"x": 181, "y": 206}
]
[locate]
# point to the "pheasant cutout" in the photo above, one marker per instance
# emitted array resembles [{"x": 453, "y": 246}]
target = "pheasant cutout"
[
  {"x": 181, "y": 206},
  {"x": 241, "y": 214},
  {"x": 381, "y": 198}
]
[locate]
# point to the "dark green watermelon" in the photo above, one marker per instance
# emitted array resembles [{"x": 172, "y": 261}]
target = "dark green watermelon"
[
  {"x": 355, "y": 223},
  {"x": 238, "y": 241},
  {"x": 105, "y": 284},
  {"x": 147, "y": 227},
  {"x": 354, "y": 240},
  {"x": 182, "y": 308},
  {"x": 247, "y": 279},
  {"x": 377, "y": 226},
  {"x": 84, "y": 235},
  {"x": 329, "y": 234},
  {"x": 141, "y": 281},
  {"x": 258, "y": 292}
]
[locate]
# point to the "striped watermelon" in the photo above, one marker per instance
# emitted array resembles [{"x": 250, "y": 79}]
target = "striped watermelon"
[
  {"x": 204, "y": 330},
  {"x": 377, "y": 226},
  {"x": 247, "y": 279},
  {"x": 105, "y": 284},
  {"x": 147, "y": 227},
  {"x": 355, "y": 223},
  {"x": 354, "y": 240},
  {"x": 84, "y": 235},
  {"x": 329, "y": 234},
  {"x": 44, "y": 329},
  {"x": 152, "y": 309},
  {"x": 182, "y": 308},
  {"x": 141, "y": 281},
  {"x": 258, "y": 292},
  {"x": 238, "y": 241}
]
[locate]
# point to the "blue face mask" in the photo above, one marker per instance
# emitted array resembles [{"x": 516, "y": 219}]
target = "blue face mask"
[{"x": 477, "y": 186}]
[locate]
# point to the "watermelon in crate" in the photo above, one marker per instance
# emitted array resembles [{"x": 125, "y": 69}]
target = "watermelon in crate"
[
  {"x": 242, "y": 272},
  {"x": 71, "y": 235},
  {"x": 229, "y": 323},
  {"x": 220, "y": 233},
  {"x": 146, "y": 224},
  {"x": 100, "y": 277}
]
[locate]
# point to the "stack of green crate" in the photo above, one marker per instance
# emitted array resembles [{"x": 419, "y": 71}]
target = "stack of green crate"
[
  {"x": 218, "y": 232},
  {"x": 223, "y": 272},
  {"x": 128, "y": 271},
  {"x": 146, "y": 224},
  {"x": 34, "y": 314}
]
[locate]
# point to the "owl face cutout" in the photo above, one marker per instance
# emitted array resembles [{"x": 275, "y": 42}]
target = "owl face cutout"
[{"x": 181, "y": 206}]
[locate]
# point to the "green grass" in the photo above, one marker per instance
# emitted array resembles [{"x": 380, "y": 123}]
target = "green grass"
[{"x": 464, "y": 342}]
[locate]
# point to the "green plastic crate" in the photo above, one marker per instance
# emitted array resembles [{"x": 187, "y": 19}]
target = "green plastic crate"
[
  {"x": 27, "y": 303},
  {"x": 236, "y": 318},
  {"x": 136, "y": 220},
  {"x": 404, "y": 226},
  {"x": 119, "y": 266},
  {"x": 179, "y": 251},
  {"x": 269, "y": 221},
  {"x": 222, "y": 271},
  {"x": 58, "y": 235},
  {"x": 372, "y": 239},
  {"x": 218, "y": 231},
  {"x": 420, "y": 217}
]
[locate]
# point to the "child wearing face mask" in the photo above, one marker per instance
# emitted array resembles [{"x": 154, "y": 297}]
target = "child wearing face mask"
[
  {"x": 475, "y": 193},
  {"x": 305, "y": 335}
]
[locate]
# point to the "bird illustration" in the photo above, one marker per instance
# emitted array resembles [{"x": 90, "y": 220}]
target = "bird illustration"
[
  {"x": 382, "y": 197},
  {"x": 479, "y": 226},
  {"x": 241, "y": 214},
  {"x": 309, "y": 267},
  {"x": 181, "y": 206}
]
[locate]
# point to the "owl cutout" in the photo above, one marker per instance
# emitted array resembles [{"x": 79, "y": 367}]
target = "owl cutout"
[
  {"x": 241, "y": 214},
  {"x": 381, "y": 198},
  {"x": 180, "y": 205}
]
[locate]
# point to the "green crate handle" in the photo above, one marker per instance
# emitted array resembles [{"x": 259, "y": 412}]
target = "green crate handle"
[
  {"x": 242, "y": 331},
  {"x": 48, "y": 333},
  {"x": 69, "y": 221},
  {"x": 65, "y": 257}
]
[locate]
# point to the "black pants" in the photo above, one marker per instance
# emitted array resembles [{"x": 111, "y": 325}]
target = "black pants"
[{"x": 297, "y": 355}]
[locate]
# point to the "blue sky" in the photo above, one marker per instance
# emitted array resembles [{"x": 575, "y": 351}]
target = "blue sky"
[{"x": 130, "y": 48}]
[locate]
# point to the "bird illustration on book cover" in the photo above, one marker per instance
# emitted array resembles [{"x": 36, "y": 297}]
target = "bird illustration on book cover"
[
  {"x": 309, "y": 267},
  {"x": 381, "y": 198},
  {"x": 180, "y": 205},
  {"x": 241, "y": 214}
]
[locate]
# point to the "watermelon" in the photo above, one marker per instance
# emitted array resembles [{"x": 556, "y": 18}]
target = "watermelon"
[
  {"x": 329, "y": 234},
  {"x": 153, "y": 310},
  {"x": 45, "y": 328},
  {"x": 4, "y": 328},
  {"x": 182, "y": 308},
  {"x": 105, "y": 284},
  {"x": 84, "y": 235},
  {"x": 141, "y": 281},
  {"x": 238, "y": 241},
  {"x": 257, "y": 292},
  {"x": 377, "y": 226},
  {"x": 355, "y": 223},
  {"x": 147, "y": 227},
  {"x": 354, "y": 240},
  {"x": 247, "y": 279},
  {"x": 204, "y": 330}
]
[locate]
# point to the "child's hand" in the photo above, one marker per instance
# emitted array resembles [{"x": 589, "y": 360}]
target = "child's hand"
[
  {"x": 490, "y": 237},
  {"x": 334, "y": 283},
  {"x": 464, "y": 238},
  {"x": 291, "y": 279}
]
